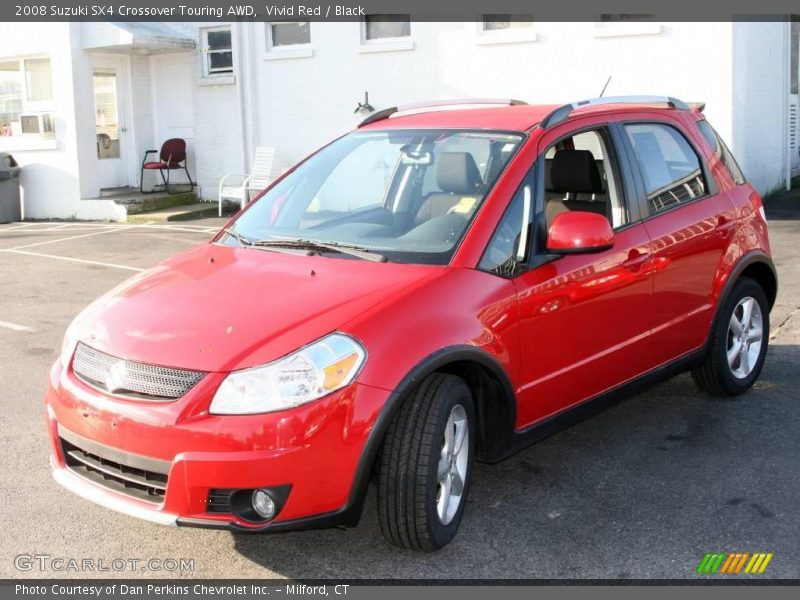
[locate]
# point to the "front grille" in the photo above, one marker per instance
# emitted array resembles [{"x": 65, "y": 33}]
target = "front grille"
[
  {"x": 132, "y": 379},
  {"x": 102, "y": 466}
]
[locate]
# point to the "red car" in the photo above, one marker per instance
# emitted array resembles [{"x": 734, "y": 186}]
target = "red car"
[{"x": 447, "y": 283}]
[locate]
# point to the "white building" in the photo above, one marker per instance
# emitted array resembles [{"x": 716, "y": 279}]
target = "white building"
[{"x": 116, "y": 90}]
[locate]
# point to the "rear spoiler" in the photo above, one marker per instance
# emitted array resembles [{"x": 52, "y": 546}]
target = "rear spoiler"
[{"x": 698, "y": 106}]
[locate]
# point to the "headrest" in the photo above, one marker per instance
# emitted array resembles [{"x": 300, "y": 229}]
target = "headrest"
[
  {"x": 575, "y": 172},
  {"x": 457, "y": 173}
]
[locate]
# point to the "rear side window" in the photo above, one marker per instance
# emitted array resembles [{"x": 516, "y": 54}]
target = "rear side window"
[
  {"x": 669, "y": 165},
  {"x": 722, "y": 151}
]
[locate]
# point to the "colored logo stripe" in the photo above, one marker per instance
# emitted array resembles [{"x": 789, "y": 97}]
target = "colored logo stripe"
[{"x": 732, "y": 564}]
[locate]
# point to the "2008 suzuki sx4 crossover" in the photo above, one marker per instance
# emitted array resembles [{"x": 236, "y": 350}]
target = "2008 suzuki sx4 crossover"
[{"x": 443, "y": 285}]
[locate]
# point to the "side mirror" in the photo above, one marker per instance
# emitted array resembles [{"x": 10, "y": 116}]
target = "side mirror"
[{"x": 577, "y": 232}]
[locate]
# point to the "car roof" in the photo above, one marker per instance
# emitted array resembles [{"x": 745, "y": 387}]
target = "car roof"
[{"x": 519, "y": 118}]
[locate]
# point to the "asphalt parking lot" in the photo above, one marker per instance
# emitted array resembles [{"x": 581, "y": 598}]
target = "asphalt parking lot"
[{"x": 643, "y": 490}]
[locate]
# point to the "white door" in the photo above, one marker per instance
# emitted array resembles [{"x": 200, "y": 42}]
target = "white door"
[{"x": 110, "y": 92}]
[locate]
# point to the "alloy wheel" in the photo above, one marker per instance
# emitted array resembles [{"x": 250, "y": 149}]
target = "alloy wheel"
[
  {"x": 453, "y": 464},
  {"x": 745, "y": 337}
]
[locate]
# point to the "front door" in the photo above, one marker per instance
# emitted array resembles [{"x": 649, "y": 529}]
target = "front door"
[
  {"x": 109, "y": 87},
  {"x": 584, "y": 318}
]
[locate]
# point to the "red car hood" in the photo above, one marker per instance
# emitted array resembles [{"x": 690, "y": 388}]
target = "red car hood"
[{"x": 215, "y": 308}]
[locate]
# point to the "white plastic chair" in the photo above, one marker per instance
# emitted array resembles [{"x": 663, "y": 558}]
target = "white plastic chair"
[{"x": 238, "y": 188}]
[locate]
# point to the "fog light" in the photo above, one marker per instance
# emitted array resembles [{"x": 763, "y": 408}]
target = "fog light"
[{"x": 263, "y": 504}]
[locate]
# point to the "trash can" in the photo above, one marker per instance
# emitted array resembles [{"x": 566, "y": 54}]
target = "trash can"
[{"x": 9, "y": 189}]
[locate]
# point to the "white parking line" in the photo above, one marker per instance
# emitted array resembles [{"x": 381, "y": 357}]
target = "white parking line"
[
  {"x": 14, "y": 326},
  {"x": 66, "y": 239},
  {"x": 77, "y": 260}
]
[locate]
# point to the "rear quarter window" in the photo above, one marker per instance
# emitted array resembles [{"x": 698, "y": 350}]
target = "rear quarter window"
[{"x": 722, "y": 152}]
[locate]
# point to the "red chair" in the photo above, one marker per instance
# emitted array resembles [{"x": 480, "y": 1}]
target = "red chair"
[{"x": 171, "y": 157}]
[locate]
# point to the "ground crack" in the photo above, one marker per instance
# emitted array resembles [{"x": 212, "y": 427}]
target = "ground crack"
[{"x": 782, "y": 325}]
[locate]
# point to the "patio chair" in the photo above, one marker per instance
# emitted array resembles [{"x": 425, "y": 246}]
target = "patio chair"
[
  {"x": 239, "y": 188},
  {"x": 171, "y": 157}
]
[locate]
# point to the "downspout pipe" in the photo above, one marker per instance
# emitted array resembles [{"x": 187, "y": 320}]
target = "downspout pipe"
[{"x": 242, "y": 91}]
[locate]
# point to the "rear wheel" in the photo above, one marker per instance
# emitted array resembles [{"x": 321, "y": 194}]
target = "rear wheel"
[
  {"x": 426, "y": 465},
  {"x": 740, "y": 337}
]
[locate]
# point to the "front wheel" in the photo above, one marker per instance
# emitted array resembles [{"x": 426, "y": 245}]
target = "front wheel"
[
  {"x": 738, "y": 346},
  {"x": 426, "y": 465}
]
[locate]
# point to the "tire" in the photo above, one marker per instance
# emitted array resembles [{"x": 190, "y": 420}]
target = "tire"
[
  {"x": 410, "y": 496},
  {"x": 719, "y": 376}
]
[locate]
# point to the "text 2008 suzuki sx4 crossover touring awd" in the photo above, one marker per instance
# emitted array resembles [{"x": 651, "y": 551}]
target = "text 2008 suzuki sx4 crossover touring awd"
[{"x": 445, "y": 284}]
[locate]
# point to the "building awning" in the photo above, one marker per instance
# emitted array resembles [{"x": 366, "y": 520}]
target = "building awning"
[{"x": 146, "y": 38}]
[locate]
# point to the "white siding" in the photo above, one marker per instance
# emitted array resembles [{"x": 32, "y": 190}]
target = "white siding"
[
  {"x": 50, "y": 182},
  {"x": 760, "y": 102}
]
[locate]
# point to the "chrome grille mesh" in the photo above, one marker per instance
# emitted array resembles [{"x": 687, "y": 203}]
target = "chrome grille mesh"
[{"x": 127, "y": 378}]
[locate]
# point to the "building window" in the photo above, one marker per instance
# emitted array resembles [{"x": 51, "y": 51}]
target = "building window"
[
  {"x": 288, "y": 39},
  {"x": 289, "y": 34},
  {"x": 381, "y": 27},
  {"x": 381, "y": 33},
  {"x": 617, "y": 18},
  {"x": 626, "y": 24},
  {"x": 506, "y": 22},
  {"x": 26, "y": 94},
  {"x": 501, "y": 29},
  {"x": 218, "y": 51}
]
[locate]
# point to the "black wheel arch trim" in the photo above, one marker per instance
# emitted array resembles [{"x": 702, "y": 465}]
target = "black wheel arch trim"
[
  {"x": 747, "y": 260},
  {"x": 350, "y": 514}
]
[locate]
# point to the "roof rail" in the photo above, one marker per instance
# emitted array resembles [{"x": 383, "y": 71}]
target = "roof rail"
[
  {"x": 420, "y": 106},
  {"x": 561, "y": 113}
]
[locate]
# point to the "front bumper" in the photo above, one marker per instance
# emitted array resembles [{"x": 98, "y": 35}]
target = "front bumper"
[{"x": 316, "y": 450}]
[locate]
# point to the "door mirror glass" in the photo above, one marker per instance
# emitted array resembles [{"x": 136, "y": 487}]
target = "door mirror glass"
[{"x": 576, "y": 232}]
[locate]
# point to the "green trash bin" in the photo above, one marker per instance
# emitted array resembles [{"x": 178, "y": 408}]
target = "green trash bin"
[{"x": 10, "y": 209}]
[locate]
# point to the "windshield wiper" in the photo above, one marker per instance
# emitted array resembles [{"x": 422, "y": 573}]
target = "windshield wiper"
[
  {"x": 238, "y": 237},
  {"x": 315, "y": 246}
]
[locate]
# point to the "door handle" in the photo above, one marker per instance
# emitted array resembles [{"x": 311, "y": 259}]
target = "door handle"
[
  {"x": 724, "y": 227},
  {"x": 635, "y": 260}
]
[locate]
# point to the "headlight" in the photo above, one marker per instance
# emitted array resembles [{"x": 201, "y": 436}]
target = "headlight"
[
  {"x": 310, "y": 373},
  {"x": 69, "y": 343}
]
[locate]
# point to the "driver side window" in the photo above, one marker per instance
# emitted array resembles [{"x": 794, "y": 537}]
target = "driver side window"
[{"x": 580, "y": 175}]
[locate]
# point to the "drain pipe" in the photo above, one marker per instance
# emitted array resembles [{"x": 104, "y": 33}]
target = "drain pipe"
[{"x": 243, "y": 91}]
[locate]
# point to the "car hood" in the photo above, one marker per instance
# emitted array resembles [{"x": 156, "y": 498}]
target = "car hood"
[{"x": 217, "y": 308}]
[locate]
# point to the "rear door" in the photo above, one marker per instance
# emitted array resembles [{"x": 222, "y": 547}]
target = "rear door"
[{"x": 691, "y": 224}]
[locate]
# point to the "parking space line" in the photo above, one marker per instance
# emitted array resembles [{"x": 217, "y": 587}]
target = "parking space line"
[
  {"x": 14, "y": 326},
  {"x": 66, "y": 239},
  {"x": 77, "y": 260}
]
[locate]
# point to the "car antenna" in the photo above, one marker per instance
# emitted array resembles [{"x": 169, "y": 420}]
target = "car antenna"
[{"x": 605, "y": 86}]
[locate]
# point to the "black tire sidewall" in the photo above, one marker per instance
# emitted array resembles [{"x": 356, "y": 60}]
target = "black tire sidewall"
[
  {"x": 731, "y": 383},
  {"x": 440, "y": 533}
]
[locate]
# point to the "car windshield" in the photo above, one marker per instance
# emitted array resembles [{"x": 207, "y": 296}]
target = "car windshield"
[{"x": 403, "y": 195}]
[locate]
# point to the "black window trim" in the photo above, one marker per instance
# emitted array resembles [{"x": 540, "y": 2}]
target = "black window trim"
[{"x": 712, "y": 189}]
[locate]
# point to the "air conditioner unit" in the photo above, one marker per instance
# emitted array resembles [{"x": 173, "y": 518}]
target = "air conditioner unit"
[{"x": 37, "y": 123}]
